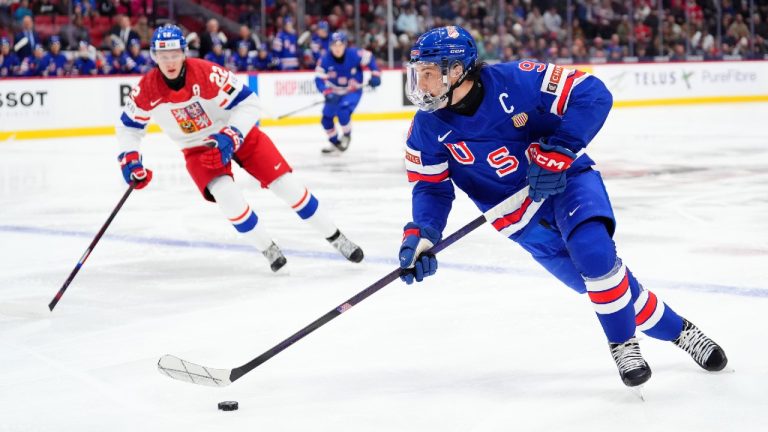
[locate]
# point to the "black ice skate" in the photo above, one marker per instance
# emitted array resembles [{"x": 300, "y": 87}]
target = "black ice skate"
[
  {"x": 704, "y": 351},
  {"x": 342, "y": 244},
  {"x": 341, "y": 147},
  {"x": 275, "y": 256},
  {"x": 632, "y": 367}
]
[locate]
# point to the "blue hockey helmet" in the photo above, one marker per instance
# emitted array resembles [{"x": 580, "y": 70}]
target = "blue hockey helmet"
[
  {"x": 446, "y": 45},
  {"x": 323, "y": 25},
  {"x": 166, "y": 38},
  {"x": 4, "y": 41},
  {"x": 440, "y": 49},
  {"x": 339, "y": 37}
]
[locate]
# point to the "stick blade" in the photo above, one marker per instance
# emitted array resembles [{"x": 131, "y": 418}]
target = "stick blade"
[{"x": 182, "y": 370}]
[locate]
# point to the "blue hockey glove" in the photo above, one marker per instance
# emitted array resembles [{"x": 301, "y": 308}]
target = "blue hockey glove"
[
  {"x": 414, "y": 263},
  {"x": 546, "y": 172},
  {"x": 375, "y": 81},
  {"x": 133, "y": 169},
  {"x": 223, "y": 145}
]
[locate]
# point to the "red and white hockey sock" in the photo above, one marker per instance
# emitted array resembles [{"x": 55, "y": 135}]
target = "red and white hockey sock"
[
  {"x": 654, "y": 317},
  {"x": 232, "y": 204},
  {"x": 296, "y": 195},
  {"x": 611, "y": 297}
]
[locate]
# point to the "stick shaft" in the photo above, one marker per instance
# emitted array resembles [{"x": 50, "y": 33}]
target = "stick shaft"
[
  {"x": 88, "y": 251},
  {"x": 357, "y": 298}
]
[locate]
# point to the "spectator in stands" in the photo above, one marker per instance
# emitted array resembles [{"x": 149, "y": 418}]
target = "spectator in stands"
[
  {"x": 408, "y": 21},
  {"x": 597, "y": 51},
  {"x": 74, "y": 32},
  {"x": 84, "y": 63},
  {"x": 123, "y": 30},
  {"x": 244, "y": 35},
  {"x": 28, "y": 38},
  {"x": 641, "y": 52},
  {"x": 9, "y": 62},
  {"x": 535, "y": 22},
  {"x": 216, "y": 55},
  {"x": 579, "y": 52},
  {"x": 143, "y": 30},
  {"x": 22, "y": 11},
  {"x": 54, "y": 63},
  {"x": 614, "y": 48},
  {"x": 488, "y": 52},
  {"x": 553, "y": 22},
  {"x": 678, "y": 52},
  {"x": 206, "y": 39}
]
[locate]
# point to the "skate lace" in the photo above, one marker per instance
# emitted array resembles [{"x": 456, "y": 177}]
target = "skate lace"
[
  {"x": 696, "y": 343},
  {"x": 627, "y": 355},
  {"x": 343, "y": 245},
  {"x": 272, "y": 253}
]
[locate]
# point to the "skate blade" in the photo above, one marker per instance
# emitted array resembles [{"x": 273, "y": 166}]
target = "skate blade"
[{"x": 639, "y": 392}]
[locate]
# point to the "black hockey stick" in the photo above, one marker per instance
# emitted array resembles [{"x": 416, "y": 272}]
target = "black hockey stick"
[
  {"x": 282, "y": 116},
  {"x": 290, "y": 113},
  {"x": 88, "y": 251},
  {"x": 183, "y": 370}
]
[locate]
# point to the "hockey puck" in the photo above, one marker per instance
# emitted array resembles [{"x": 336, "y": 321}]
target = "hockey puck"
[{"x": 228, "y": 406}]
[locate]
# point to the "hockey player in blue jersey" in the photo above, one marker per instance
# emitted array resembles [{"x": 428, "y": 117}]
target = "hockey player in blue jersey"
[
  {"x": 54, "y": 63},
  {"x": 339, "y": 77},
  {"x": 9, "y": 62},
  {"x": 141, "y": 63},
  {"x": 217, "y": 53},
  {"x": 513, "y": 137},
  {"x": 284, "y": 47},
  {"x": 318, "y": 44},
  {"x": 242, "y": 60}
]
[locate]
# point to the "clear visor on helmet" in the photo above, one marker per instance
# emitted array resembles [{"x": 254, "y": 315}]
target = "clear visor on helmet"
[
  {"x": 167, "y": 56},
  {"x": 427, "y": 86}
]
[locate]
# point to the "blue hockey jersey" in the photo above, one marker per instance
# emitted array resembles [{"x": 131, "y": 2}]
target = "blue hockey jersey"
[
  {"x": 345, "y": 73},
  {"x": 484, "y": 155},
  {"x": 284, "y": 50}
]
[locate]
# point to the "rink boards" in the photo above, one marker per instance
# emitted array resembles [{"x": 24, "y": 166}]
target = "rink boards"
[{"x": 42, "y": 108}]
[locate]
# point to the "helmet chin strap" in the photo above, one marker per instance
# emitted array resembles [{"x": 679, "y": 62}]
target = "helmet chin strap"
[{"x": 448, "y": 96}]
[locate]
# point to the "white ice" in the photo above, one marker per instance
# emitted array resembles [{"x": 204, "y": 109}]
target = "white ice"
[{"x": 491, "y": 343}]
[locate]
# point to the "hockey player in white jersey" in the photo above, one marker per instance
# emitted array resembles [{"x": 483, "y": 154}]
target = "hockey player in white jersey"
[{"x": 212, "y": 116}]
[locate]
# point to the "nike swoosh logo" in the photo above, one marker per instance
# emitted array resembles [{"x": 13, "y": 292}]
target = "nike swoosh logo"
[
  {"x": 153, "y": 103},
  {"x": 570, "y": 213},
  {"x": 278, "y": 166},
  {"x": 442, "y": 138}
]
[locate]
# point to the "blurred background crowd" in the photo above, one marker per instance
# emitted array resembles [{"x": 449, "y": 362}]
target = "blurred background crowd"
[{"x": 89, "y": 37}]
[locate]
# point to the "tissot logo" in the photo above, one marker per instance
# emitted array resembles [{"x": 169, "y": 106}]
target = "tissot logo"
[{"x": 23, "y": 99}]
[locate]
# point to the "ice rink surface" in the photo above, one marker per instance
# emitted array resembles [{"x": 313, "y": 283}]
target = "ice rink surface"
[{"x": 491, "y": 343}]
